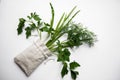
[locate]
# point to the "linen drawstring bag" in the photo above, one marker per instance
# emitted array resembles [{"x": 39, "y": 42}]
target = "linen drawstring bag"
[{"x": 32, "y": 57}]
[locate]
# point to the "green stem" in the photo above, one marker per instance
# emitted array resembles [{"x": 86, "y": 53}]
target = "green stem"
[
  {"x": 59, "y": 29},
  {"x": 57, "y": 35},
  {"x": 52, "y": 19},
  {"x": 39, "y": 33},
  {"x": 50, "y": 42},
  {"x": 60, "y": 21}
]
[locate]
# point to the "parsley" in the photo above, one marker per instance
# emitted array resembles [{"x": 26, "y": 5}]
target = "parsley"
[
  {"x": 64, "y": 70},
  {"x": 20, "y": 26},
  {"x": 76, "y": 35},
  {"x": 74, "y": 74},
  {"x": 74, "y": 65},
  {"x": 64, "y": 55}
]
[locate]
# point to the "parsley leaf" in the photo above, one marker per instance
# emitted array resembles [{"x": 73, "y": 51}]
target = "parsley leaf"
[
  {"x": 64, "y": 55},
  {"x": 28, "y": 32},
  {"x": 46, "y": 29},
  {"x": 64, "y": 70},
  {"x": 32, "y": 26},
  {"x": 35, "y": 16},
  {"x": 74, "y": 65},
  {"x": 21, "y": 25},
  {"x": 74, "y": 74}
]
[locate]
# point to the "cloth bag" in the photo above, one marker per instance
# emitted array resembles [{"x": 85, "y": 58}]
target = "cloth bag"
[{"x": 32, "y": 57}]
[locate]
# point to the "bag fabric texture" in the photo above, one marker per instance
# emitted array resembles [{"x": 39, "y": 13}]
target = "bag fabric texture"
[{"x": 32, "y": 57}]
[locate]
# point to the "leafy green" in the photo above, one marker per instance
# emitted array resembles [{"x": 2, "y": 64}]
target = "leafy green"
[
  {"x": 64, "y": 70},
  {"x": 74, "y": 65},
  {"x": 32, "y": 26},
  {"x": 21, "y": 25},
  {"x": 46, "y": 29},
  {"x": 28, "y": 32},
  {"x": 78, "y": 35},
  {"x": 74, "y": 74},
  {"x": 59, "y": 47},
  {"x": 29, "y": 29},
  {"x": 35, "y": 16},
  {"x": 64, "y": 55}
]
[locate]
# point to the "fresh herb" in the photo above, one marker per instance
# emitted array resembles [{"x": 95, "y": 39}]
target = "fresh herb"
[
  {"x": 74, "y": 65},
  {"x": 74, "y": 74},
  {"x": 20, "y": 25},
  {"x": 64, "y": 70},
  {"x": 76, "y": 35}
]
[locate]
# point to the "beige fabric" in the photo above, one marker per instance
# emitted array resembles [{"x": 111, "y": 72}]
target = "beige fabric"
[{"x": 32, "y": 57}]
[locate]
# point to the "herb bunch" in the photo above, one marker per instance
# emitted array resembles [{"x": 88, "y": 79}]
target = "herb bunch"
[{"x": 76, "y": 35}]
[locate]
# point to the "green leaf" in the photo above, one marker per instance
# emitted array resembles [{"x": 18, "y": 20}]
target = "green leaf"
[
  {"x": 34, "y": 16},
  {"x": 38, "y": 23},
  {"x": 64, "y": 70},
  {"x": 73, "y": 36},
  {"x": 46, "y": 24},
  {"x": 77, "y": 35},
  {"x": 29, "y": 17},
  {"x": 74, "y": 65},
  {"x": 64, "y": 55},
  {"x": 66, "y": 52},
  {"x": 28, "y": 32},
  {"x": 21, "y": 25},
  {"x": 59, "y": 48},
  {"x": 74, "y": 74},
  {"x": 46, "y": 29},
  {"x": 33, "y": 26}
]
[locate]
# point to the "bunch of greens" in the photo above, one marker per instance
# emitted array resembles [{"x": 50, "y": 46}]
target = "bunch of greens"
[{"x": 76, "y": 35}]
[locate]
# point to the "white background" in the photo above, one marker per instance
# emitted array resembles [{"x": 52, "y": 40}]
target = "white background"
[{"x": 101, "y": 62}]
